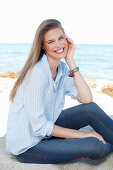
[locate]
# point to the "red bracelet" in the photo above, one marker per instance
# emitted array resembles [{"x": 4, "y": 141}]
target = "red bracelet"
[
  {"x": 71, "y": 75},
  {"x": 73, "y": 71}
]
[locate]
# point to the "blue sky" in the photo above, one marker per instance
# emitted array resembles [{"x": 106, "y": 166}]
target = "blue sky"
[{"x": 85, "y": 21}]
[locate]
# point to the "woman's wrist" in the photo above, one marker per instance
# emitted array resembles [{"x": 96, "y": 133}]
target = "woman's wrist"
[{"x": 71, "y": 63}]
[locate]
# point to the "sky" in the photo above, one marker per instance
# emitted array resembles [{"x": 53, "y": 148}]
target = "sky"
[{"x": 84, "y": 21}]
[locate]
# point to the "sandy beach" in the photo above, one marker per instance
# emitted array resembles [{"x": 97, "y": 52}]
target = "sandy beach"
[
  {"x": 103, "y": 98},
  {"x": 101, "y": 90}
]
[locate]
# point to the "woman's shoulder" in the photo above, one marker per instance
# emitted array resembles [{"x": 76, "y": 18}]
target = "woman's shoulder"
[
  {"x": 38, "y": 68},
  {"x": 36, "y": 72},
  {"x": 40, "y": 65}
]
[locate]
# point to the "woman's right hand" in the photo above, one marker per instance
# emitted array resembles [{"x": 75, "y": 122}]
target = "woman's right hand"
[{"x": 85, "y": 134}]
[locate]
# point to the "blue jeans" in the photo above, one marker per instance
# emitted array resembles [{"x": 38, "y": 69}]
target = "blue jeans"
[{"x": 61, "y": 150}]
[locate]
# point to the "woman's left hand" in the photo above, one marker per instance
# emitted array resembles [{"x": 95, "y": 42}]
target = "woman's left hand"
[{"x": 71, "y": 49}]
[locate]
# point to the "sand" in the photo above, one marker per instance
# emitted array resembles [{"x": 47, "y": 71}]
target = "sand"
[{"x": 7, "y": 162}]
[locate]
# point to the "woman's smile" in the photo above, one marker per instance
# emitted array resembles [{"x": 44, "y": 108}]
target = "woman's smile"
[{"x": 60, "y": 51}]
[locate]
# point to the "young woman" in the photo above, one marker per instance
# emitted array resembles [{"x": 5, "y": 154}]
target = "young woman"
[{"x": 38, "y": 129}]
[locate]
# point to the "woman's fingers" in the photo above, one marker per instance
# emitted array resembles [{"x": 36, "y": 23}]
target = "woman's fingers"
[
  {"x": 70, "y": 43},
  {"x": 69, "y": 39},
  {"x": 99, "y": 137},
  {"x": 102, "y": 140},
  {"x": 93, "y": 134}
]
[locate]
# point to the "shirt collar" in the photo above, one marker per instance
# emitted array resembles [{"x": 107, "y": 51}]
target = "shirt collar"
[{"x": 59, "y": 73}]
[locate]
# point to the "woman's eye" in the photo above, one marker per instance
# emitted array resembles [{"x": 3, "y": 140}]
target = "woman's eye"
[
  {"x": 61, "y": 38},
  {"x": 50, "y": 42}
]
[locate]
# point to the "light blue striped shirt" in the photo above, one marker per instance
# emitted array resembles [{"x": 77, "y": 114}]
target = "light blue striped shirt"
[{"x": 37, "y": 104}]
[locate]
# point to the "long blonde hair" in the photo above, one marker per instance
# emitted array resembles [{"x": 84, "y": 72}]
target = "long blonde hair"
[{"x": 36, "y": 52}]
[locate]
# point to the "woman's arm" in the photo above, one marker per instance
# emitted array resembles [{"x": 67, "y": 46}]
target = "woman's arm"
[
  {"x": 84, "y": 92},
  {"x": 59, "y": 131}
]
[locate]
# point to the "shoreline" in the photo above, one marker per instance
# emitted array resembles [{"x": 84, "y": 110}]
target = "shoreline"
[{"x": 104, "y": 86}]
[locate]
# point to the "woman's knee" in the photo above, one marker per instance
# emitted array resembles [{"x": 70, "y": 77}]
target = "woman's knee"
[
  {"x": 91, "y": 107},
  {"x": 100, "y": 149}
]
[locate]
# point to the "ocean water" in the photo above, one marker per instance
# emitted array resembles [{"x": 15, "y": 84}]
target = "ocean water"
[{"x": 95, "y": 61}]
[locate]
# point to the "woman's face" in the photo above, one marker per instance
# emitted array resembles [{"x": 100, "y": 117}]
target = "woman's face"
[{"x": 55, "y": 44}]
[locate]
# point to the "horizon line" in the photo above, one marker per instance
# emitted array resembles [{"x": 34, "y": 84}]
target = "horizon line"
[{"x": 75, "y": 43}]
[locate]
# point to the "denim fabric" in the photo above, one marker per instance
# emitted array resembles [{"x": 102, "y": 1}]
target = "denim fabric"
[{"x": 60, "y": 150}]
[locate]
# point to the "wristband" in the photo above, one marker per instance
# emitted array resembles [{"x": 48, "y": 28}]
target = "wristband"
[{"x": 73, "y": 71}]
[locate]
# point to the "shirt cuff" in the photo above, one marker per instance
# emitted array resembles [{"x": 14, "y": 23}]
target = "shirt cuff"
[{"x": 49, "y": 128}]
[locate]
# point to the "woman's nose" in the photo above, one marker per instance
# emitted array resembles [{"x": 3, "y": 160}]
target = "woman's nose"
[{"x": 58, "y": 44}]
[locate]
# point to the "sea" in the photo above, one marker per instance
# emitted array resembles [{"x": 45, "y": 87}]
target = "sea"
[{"x": 94, "y": 61}]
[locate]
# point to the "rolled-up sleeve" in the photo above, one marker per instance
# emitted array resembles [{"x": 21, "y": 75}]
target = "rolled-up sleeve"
[
  {"x": 70, "y": 86},
  {"x": 34, "y": 105}
]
